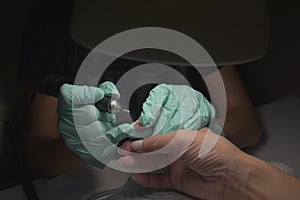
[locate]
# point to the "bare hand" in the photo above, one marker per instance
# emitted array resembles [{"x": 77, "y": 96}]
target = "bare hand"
[{"x": 203, "y": 177}]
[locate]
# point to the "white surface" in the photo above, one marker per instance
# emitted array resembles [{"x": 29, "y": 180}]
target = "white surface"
[
  {"x": 281, "y": 121},
  {"x": 281, "y": 140},
  {"x": 283, "y": 167}
]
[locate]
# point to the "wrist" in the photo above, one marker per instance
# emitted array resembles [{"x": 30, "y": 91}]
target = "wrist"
[
  {"x": 237, "y": 179},
  {"x": 254, "y": 179},
  {"x": 266, "y": 182}
]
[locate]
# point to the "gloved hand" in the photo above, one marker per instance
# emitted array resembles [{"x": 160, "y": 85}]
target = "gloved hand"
[
  {"x": 169, "y": 108},
  {"x": 78, "y": 115},
  {"x": 173, "y": 107}
]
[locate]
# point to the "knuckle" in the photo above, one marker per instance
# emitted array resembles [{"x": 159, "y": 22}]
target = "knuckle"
[
  {"x": 87, "y": 111},
  {"x": 203, "y": 130}
]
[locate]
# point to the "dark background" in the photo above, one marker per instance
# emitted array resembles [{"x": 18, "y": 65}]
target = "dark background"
[{"x": 275, "y": 76}]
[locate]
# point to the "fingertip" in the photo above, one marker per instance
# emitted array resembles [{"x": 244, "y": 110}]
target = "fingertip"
[
  {"x": 127, "y": 161},
  {"x": 64, "y": 87},
  {"x": 121, "y": 152},
  {"x": 109, "y": 89},
  {"x": 137, "y": 146},
  {"x": 126, "y": 146}
]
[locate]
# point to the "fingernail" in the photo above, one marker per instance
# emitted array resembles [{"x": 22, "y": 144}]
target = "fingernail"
[
  {"x": 123, "y": 152},
  {"x": 119, "y": 151},
  {"x": 120, "y": 161},
  {"x": 137, "y": 146}
]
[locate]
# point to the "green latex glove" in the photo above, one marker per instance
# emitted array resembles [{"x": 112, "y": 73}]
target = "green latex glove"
[
  {"x": 169, "y": 108},
  {"x": 92, "y": 125}
]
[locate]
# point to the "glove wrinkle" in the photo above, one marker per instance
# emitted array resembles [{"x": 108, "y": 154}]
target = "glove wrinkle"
[{"x": 94, "y": 136}]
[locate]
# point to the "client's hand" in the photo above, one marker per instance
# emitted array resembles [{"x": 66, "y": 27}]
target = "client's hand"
[
  {"x": 202, "y": 176},
  {"x": 81, "y": 124}
]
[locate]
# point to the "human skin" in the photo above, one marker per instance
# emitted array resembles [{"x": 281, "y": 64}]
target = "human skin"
[
  {"x": 224, "y": 173},
  {"x": 47, "y": 154},
  {"x": 242, "y": 126}
]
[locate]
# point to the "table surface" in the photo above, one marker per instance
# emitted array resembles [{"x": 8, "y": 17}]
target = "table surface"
[
  {"x": 281, "y": 122},
  {"x": 281, "y": 138}
]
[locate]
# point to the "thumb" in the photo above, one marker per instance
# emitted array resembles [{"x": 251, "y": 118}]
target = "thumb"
[{"x": 110, "y": 89}]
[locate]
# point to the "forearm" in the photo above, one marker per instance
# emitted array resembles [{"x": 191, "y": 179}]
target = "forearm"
[
  {"x": 45, "y": 150},
  {"x": 51, "y": 158},
  {"x": 242, "y": 127},
  {"x": 269, "y": 183},
  {"x": 257, "y": 180}
]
